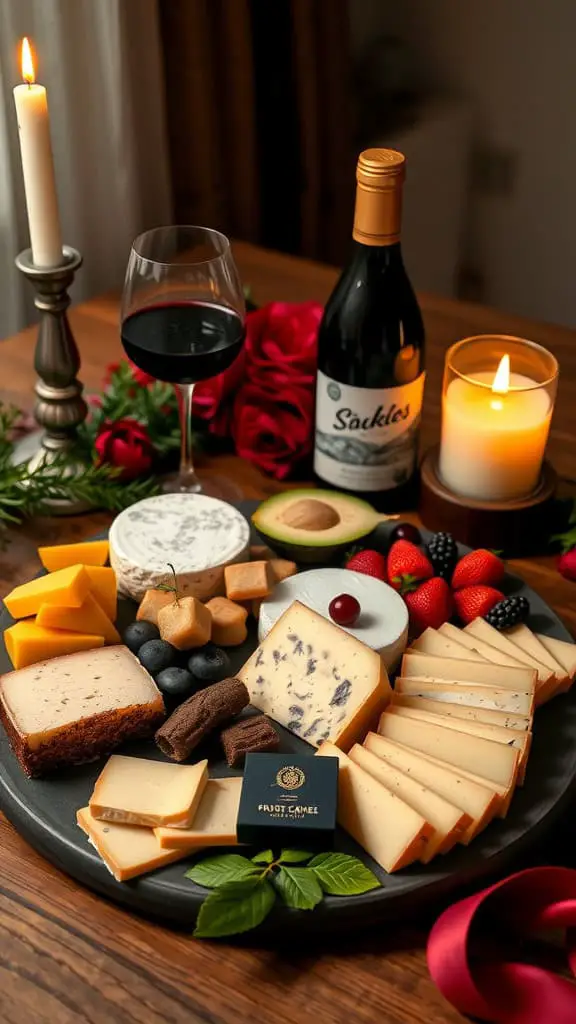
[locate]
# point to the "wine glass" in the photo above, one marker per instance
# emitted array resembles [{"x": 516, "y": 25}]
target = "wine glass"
[{"x": 182, "y": 321}]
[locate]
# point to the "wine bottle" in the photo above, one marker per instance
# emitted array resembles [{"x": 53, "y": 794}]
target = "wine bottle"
[{"x": 370, "y": 378}]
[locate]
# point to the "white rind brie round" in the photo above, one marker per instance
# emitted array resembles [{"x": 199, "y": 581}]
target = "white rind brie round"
[
  {"x": 383, "y": 621},
  {"x": 198, "y": 535}
]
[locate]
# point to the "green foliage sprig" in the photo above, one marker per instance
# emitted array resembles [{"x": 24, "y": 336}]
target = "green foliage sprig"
[
  {"x": 24, "y": 494},
  {"x": 244, "y": 891}
]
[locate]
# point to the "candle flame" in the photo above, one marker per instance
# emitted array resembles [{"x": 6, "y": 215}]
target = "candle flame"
[
  {"x": 27, "y": 62},
  {"x": 501, "y": 382}
]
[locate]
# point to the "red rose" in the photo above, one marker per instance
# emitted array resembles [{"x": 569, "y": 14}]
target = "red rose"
[
  {"x": 281, "y": 344},
  {"x": 211, "y": 396},
  {"x": 274, "y": 434},
  {"x": 125, "y": 444}
]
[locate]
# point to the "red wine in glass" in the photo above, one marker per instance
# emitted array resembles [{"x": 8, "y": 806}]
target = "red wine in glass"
[
  {"x": 182, "y": 321},
  {"x": 183, "y": 342}
]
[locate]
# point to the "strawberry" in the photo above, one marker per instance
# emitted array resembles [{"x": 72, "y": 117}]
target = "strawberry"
[
  {"x": 567, "y": 564},
  {"x": 429, "y": 605},
  {"x": 475, "y": 602},
  {"x": 407, "y": 565},
  {"x": 480, "y": 566},
  {"x": 371, "y": 563}
]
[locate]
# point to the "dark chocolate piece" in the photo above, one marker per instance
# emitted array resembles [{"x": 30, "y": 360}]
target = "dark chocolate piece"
[
  {"x": 198, "y": 715},
  {"x": 254, "y": 735}
]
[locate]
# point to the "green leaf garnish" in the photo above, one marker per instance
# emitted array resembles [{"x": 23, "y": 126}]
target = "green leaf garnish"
[
  {"x": 244, "y": 890},
  {"x": 216, "y": 871},
  {"x": 298, "y": 887},
  {"x": 294, "y": 856},
  {"x": 342, "y": 875},
  {"x": 234, "y": 908},
  {"x": 266, "y": 857}
]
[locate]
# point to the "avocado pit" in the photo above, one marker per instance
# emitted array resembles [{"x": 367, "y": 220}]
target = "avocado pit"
[{"x": 310, "y": 514}]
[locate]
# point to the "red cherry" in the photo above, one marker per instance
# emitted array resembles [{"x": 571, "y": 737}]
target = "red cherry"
[
  {"x": 344, "y": 610},
  {"x": 406, "y": 531}
]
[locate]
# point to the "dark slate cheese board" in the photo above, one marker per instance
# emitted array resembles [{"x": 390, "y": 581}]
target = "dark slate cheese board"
[{"x": 44, "y": 813}]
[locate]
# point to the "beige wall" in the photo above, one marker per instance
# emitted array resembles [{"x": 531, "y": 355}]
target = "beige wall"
[{"x": 516, "y": 60}]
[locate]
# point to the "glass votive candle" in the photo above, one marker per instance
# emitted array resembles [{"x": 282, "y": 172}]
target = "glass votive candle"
[{"x": 497, "y": 403}]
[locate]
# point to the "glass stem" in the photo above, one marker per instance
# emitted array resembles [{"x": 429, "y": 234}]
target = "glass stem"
[{"x": 188, "y": 479}]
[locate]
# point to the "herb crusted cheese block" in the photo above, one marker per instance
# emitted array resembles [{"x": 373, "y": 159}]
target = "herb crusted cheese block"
[
  {"x": 198, "y": 535},
  {"x": 316, "y": 680}
]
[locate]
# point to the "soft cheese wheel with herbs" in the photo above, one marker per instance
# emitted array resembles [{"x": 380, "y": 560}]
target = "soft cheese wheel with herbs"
[
  {"x": 316, "y": 680},
  {"x": 196, "y": 534}
]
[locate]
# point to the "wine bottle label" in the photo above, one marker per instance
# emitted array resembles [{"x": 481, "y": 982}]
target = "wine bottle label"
[{"x": 366, "y": 438}]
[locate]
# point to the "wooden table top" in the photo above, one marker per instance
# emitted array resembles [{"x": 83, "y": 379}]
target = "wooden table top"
[{"x": 67, "y": 956}]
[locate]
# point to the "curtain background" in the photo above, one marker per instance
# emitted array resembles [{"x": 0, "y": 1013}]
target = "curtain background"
[
  {"x": 260, "y": 120},
  {"x": 101, "y": 63}
]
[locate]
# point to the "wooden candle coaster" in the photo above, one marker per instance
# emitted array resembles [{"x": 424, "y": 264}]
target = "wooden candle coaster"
[{"x": 518, "y": 527}]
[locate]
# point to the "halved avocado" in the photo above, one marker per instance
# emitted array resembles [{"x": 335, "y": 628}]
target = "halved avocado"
[{"x": 312, "y": 525}]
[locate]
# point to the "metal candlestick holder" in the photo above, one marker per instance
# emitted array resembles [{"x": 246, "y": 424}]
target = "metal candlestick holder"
[{"x": 60, "y": 407}]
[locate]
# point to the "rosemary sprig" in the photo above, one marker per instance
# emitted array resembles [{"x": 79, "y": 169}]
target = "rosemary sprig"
[{"x": 24, "y": 494}]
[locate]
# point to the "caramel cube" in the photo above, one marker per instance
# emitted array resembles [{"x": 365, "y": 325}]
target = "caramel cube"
[
  {"x": 245, "y": 580},
  {"x": 228, "y": 622},
  {"x": 185, "y": 623},
  {"x": 259, "y": 552},
  {"x": 282, "y": 569},
  {"x": 152, "y": 602}
]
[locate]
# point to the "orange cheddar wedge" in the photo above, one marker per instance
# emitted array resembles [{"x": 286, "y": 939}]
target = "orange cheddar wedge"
[
  {"x": 27, "y": 643},
  {"x": 88, "y": 618},
  {"x": 104, "y": 588},
  {"x": 65, "y": 587},
  {"x": 61, "y": 556}
]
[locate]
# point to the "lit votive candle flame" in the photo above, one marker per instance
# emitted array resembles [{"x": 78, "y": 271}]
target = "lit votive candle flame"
[{"x": 495, "y": 427}]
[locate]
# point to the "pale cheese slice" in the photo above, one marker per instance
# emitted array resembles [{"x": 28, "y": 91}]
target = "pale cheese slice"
[
  {"x": 519, "y": 739},
  {"x": 477, "y": 646},
  {"x": 318, "y": 681},
  {"x": 546, "y": 678},
  {"x": 468, "y": 694},
  {"x": 478, "y": 800},
  {"x": 428, "y": 666},
  {"x": 135, "y": 791},
  {"x": 431, "y": 641},
  {"x": 506, "y": 719},
  {"x": 391, "y": 831},
  {"x": 527, "y": 641},
  {"x": 448, "y": 821},
  {"x": 494, "y": 761},
  {"x": 127, "y": 850},
  {"x": 215, "y": 821},
  {"x": 564, "y": 652}
]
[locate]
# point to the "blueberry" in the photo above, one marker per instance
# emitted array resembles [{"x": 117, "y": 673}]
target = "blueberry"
[
  {"x": 138, "y": 633},
  {"x": 175, "y": 682},
  {"x": 209, "y": 664},
  {"x": 157, "y": 655}
]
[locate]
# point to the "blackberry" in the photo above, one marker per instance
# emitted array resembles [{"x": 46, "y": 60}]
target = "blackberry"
[
  {"x": 443, "y": 554},
  {"x": 508, "y": 612}
]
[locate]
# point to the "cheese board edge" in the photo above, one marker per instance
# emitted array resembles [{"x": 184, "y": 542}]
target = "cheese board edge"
[{"x": 166, "y": 895}]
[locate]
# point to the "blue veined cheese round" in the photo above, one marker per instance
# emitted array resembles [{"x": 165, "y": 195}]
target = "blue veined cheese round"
[
  {"x": 383, "y": 620},
  {"x": 198, "y": 535}
]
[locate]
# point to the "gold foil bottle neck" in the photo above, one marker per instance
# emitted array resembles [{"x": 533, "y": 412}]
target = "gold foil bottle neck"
[{"x": 378, "y": 213}]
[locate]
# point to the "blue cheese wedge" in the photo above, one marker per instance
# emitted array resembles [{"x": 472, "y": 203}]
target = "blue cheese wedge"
[
  {"x": 196, "y": 534},
  {"x": 316, "y": 680},
  {"x": 383, "y": 620}
]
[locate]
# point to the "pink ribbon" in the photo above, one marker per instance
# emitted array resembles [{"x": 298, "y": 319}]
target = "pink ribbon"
[{"x": 489, "y": 985}]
